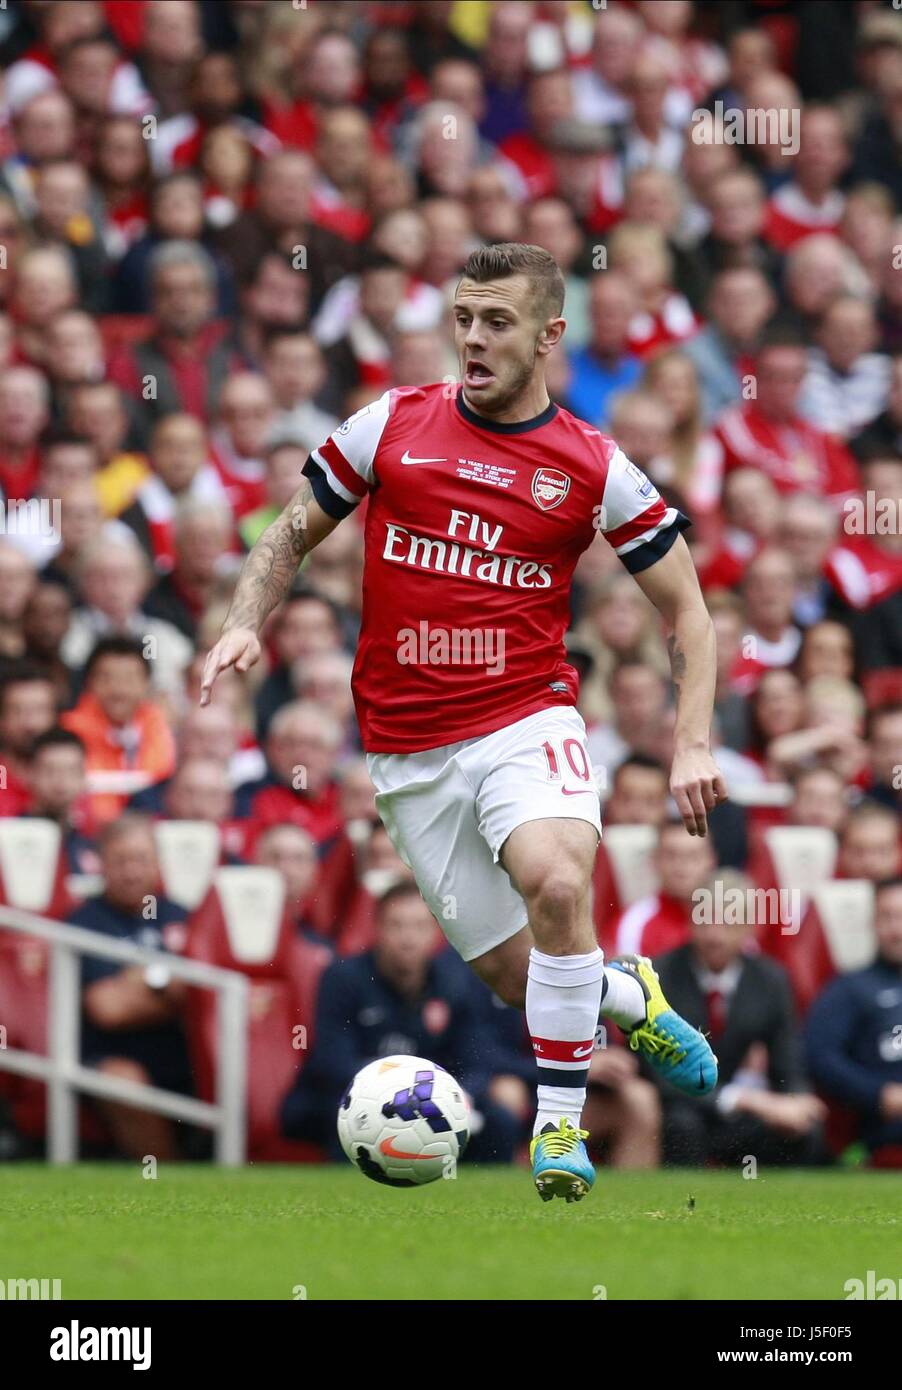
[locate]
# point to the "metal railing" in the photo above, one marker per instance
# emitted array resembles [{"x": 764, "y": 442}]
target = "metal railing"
[{"x": 64, "y": 1074}]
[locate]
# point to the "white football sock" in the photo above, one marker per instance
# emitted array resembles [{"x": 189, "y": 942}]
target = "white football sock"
[
  {"x": 562, "y": 998},
  {"x": 623, "y": 999}
]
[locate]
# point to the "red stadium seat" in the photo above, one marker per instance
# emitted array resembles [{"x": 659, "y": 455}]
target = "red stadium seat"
[{"x": 242, "y": 924}]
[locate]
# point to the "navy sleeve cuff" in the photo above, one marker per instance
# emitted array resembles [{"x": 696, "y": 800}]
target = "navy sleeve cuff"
[
  {"x": 644, "y": 556},
  {"x": 331, "y": 503}
]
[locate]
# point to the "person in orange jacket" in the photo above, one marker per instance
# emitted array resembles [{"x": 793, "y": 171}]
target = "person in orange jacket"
[{"x": 128, "y": 742}]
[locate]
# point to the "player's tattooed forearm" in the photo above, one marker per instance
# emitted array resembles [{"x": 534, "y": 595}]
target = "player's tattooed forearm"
[
  {"x": 271, "y": 566},
  {"x": 677, "y": 661}
]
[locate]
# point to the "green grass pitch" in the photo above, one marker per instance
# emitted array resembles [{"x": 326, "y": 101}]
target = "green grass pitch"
[{"x": 269, "y": 1232}]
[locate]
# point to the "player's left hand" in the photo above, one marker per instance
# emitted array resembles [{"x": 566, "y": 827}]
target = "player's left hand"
[{"x": 697, "y": 786}]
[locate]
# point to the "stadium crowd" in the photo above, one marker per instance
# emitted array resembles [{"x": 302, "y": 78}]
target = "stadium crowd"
[{"x": 226, "y": 225}]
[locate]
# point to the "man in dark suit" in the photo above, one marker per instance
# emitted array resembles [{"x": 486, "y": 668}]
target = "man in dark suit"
[{"x": 761, "y": 1107}]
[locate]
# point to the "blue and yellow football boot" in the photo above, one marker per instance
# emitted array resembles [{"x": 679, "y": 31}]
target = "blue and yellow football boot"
[
  {"x": 560, "y": 1163},
  {"x": 677, "y": 1051}
]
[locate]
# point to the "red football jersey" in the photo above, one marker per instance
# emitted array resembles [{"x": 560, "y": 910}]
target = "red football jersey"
[{"x": 473, "y": 530}]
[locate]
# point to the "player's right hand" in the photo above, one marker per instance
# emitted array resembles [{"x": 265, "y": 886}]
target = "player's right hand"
[{"x": 239, "y": 648}]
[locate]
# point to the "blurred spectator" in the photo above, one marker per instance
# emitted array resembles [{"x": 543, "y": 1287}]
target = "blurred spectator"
[
  {"x": 122, "y": 177},
  {"x": 695, "y": 456},
  {"x": 185, "y": 361},
  {"x": 885, "y": 744},
  {"x": 291, "y": 850},
  {"x": 549, "y": 99},
  {"x": 402, "y": 996},
  {"x": 275, "y": 297},
  {"x": 884, "y": 434},
  {"x": 607, "y": 364},
  {"x": 296, "y": 371},
  {"x": 28, "y": 704},
  {"x": 810, "y": 200},
  {"x": 178, "y": 457},
  {"x": 601, "y": 93},
  {"x": 736, "y": 203},
  {"x": 299, "y": 787},
  {"x": 98, "y": 411},
  {"x": 808, "y": 529},
  {"x": 45, "y": 623},
  {"x": 869, "y": 845},
  {"x": 847, "y": 382},
  {"x": 176, "y": 214},
  {"x": 663, "y": 315},
  {"x": 17, "y": 581},
  {"x": 762, "y": 1104},
  {"x": 661, "y": 921},
  {"x": 46, "y": 283},
  {"x": 770, "y": 434},
  {"x": 128, "y": 742},
  {"x": 171, "y": 44},
  {"x": 284, "y": 466},
  {"x": 63, "y": 213},
  {"x": 851, "y": 1034},
  {"x": 114, "y": 579},
  {"x": 638, "y": 696},
  {"x": 305, "y": 623},
  {"x": 201, "y": 536},
  {"x": 740, "y": 302},
  {"x": 281, "y": 219},
  {"x": 24, "y": 411},
  {"x": 131, "y": 1029},
  {"x": 239, "y": 437},
  {"x": 57, "y": 780}
]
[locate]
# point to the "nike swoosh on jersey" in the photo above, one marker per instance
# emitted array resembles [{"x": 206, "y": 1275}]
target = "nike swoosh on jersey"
[
  {"x": 584, "y": 1051},
  {"x": 577, "y": 791},
  {"x": 405, "y": 458}
]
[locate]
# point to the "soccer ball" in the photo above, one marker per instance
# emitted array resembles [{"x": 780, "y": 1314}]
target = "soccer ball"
[{"x": 404, "y": 1121}]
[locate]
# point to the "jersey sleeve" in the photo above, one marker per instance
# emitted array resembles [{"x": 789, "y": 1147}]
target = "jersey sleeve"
[
  {"x": 634, "y": 518},
  {"x": 341, "y": 471}
]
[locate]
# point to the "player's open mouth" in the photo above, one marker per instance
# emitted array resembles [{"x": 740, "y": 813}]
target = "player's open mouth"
[{"x": 477, "y": 375}]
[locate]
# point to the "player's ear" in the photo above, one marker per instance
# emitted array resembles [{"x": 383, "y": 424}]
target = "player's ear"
[{"x": 551, "y": 334}]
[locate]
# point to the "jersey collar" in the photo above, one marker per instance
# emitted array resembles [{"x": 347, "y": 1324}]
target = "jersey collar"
[{"x": 496, "y": 427}]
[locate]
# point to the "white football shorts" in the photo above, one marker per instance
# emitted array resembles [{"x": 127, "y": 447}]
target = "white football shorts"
[{"x": 449, "y": 811}]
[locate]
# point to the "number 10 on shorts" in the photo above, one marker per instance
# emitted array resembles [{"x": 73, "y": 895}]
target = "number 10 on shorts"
[{"x": 570, "y": 752}]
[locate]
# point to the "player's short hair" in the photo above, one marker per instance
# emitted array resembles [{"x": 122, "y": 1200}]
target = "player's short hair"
[{"x": 507, "y": 258}]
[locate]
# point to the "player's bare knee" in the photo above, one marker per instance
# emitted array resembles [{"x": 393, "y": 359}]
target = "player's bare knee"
[{"x": 556, "y": 901}]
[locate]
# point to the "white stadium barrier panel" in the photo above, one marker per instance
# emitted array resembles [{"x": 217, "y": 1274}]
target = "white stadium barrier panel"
[
  {"x": 804, "y": 855},
  {"x": 29, "y": 859},
  {"x": 252, "y": 899},
  {"x": 630, "y": 850},
  {"x": 845, "y": 907},
  {"x": 188, "y": 851}
]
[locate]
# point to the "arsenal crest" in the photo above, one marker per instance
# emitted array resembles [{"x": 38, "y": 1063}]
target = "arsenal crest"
[{"x": 549, "y": 488}]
